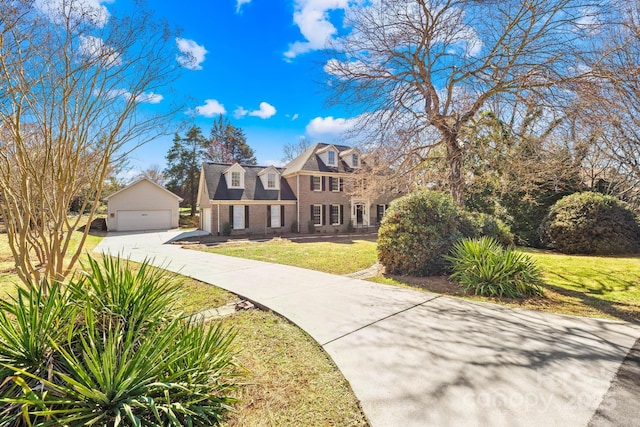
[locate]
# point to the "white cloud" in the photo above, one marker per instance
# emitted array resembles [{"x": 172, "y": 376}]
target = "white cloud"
[
  {"x": 95, "y": 48},
  {"x": 270, "y": 162},
  {"x": 295, "y": 117},
  {"x": 149, "y": 98},
  {"x": 192, "y": 54},
  {"x": 88, "y": 11},
  {"x": 240, "y": 113},
  {"x": 312, "y": 18},
  {"x": 210, "y": 108},
  {"x": 240, "y": 3},
  {"x": 342, "y": 69},
  {"x": 144, "y": 97},
  {"x": 265, "y": 111},
  {"x": 329, "y": 126}
]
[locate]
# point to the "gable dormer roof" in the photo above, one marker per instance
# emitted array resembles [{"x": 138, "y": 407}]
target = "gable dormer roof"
[
  {"x": 310, "y": 161},
  {"x": 235, "y": 167},
  {"x": 268, "y": 169},
  {"x": 327, "y": 148}
]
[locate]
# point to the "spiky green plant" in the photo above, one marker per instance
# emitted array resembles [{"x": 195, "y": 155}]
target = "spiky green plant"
[
  {"x": 122, "y": 355},
  {"x": 483, "y": 267}
]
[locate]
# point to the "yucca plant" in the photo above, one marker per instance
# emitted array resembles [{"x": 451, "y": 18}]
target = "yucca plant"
[
  {"x": 123, "y": 355},
  {"x": 482, "y": 266}
]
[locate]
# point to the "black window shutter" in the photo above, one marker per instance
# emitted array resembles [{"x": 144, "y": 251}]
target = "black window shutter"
[
  {"x": 231, "y": 216},
  {"x": 341, "y": 214},
  {"x": 322, "y": 180},
  {"x": 268, "y": 216},
  {"x": 311, "y": 217},
  {"x": 281, "y": 215},
  {"x": 330, "y": 183},
  {"x": 311, "y": 177},
  {"x": 325, "y": 214},
  {"x": 246, "y": 216}
]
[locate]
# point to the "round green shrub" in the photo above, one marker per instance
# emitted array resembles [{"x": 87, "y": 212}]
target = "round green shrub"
[
  {"x": 591, "y": 223},
  {"x": 476, "y": 224},
  {"x": 416, "y": 232}
]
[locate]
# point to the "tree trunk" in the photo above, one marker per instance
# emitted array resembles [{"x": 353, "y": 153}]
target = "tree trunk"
[{"x": 454, "y": 159}]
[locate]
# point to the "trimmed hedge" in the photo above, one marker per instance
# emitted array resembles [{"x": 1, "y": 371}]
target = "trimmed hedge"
[
  {"x": 416, "y": 232},
  {"x": 591, "y": 223}
]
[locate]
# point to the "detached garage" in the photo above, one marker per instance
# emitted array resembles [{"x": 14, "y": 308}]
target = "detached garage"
[{"x": 142, "y": 205}]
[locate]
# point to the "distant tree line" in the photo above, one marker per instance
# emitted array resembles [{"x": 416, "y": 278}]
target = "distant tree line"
[{"x": 226, "y": 144}]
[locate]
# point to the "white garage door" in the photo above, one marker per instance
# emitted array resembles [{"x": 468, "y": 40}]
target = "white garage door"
[
  {"x": 144, "y": 220},
  {"x": 206, "y": 219}
]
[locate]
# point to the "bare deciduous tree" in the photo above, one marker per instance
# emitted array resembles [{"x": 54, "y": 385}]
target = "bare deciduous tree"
[
  {"x": 72, "y": 79},
  {"x": 424, "y": 69},
  {"x": 608, "y": 106},
  {"x": 155, "y": 174},
  {"x": 294, "y": 149}
]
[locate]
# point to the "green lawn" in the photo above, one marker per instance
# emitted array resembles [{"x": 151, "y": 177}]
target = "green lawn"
[
  {"x": 337, "y": 257},
  {"x": 606, "y": 285},
  {"x": 579, "y": 285}
]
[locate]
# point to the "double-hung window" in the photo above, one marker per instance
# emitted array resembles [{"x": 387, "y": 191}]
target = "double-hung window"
[
  {"x": 332, "y": 157},
  {"x": 335, "y": 214},
  {"x": 316, "y": 210},
  {"x": 235, "y": 179},
  {"x": 271, "y": 180},
  {"x": 317, "y": 183},
  {"x": 335, "y": 184}
]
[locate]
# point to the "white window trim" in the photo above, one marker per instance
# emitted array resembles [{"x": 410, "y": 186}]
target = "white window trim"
[
  {"x": 338, "y": 216},
  {"x": 274, "y": 186},
  {"x": 334, "y": 180},
  {"x": 240, "y": 179},
  {"x": 237, "y": 208},
  {"x": 329, "y": 162},
  {"x": 275, "y": 208},
  {"x": 314, "y": 215},
  {"x": 319, "y": 178}
]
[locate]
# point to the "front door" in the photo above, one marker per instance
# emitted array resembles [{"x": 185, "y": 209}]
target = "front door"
[{"x": 360, "y": 214}]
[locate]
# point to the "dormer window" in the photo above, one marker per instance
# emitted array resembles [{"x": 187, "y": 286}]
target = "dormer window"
[
  {"x": 354, "y": 160},
  {"x": 235, "y": 179},
  {"x": 270, "y": 178},
  {"x": 332, "y": 158},
  {"x": 235, "y": 176}
]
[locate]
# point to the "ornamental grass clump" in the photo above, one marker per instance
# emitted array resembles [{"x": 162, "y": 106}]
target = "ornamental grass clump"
[
  {"x": 483, "y": 267},
  {"x": 110, "y": 348}
]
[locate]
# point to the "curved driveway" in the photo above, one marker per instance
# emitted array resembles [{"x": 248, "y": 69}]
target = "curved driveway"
[{"x": 421, "y": 359}]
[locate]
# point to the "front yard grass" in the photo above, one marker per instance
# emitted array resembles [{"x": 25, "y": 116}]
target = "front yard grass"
[
  {"x": 589, "y": 286},
  {"x": 341, "y": 256}
]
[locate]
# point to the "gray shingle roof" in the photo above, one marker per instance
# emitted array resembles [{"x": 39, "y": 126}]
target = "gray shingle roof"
[
  {"x": 253, "y": 188},
  {"x": 310, "y": 161}
]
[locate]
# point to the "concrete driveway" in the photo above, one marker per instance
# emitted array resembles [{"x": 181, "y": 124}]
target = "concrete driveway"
[{"x": 421, "y": 359}]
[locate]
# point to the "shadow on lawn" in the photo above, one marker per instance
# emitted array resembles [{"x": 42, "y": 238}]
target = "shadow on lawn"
[{"x": 619, "y": 310}]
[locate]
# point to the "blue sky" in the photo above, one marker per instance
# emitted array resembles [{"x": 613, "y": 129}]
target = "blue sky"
[{"x": 258, "y": 62}]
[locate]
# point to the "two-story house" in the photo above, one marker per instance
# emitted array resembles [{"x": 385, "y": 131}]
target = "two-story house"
[{"x": 309, "y": 194}]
